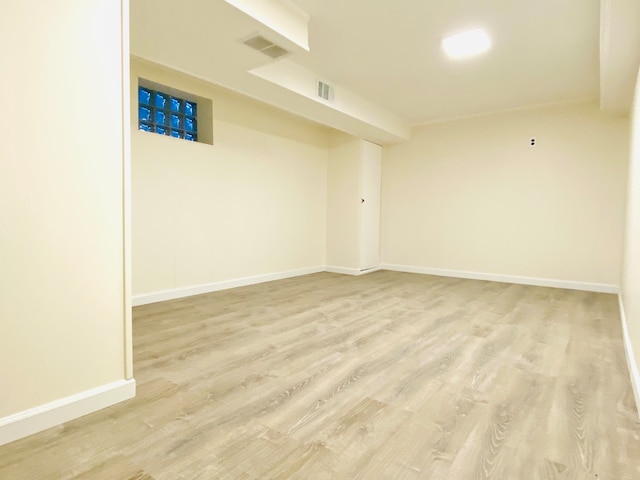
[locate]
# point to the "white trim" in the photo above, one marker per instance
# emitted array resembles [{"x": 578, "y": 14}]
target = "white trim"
[
  {"x": 342, "y": 270},
  {"x": 493, "y": 277},
  {"x": 126, "y": 187},
  {"x": 33, "y": 420},
  {"x": 631, "y": 359},
  {"x": 146, "y": 298},
  {"x": 349, "y": 271},
  {"x": 370, "y": 270}
]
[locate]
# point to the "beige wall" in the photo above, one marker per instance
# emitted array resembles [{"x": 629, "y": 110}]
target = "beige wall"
[
  {"x": 631, "y": 262},
  {"x": 472, "y": 195},
  {"x": 343, "y": 208},
  {"x": 253, "y": 203},
  {"x": 62, "y": 319}
]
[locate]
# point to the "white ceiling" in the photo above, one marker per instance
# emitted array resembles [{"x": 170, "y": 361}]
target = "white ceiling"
[{"x": 384, "y": 57}]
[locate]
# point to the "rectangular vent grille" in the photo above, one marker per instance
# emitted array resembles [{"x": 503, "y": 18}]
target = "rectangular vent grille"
[
  {"x": 325, "y": 91},
  {"x": 266, "y": 47}
]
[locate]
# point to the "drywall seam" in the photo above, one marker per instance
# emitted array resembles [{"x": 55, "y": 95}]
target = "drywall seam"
[
  {"x": 492, "y": 277},
  {"x": 37, "y": 419}
]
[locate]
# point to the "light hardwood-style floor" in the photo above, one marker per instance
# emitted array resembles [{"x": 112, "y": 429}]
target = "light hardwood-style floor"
[{"x": 384, "y": 376}]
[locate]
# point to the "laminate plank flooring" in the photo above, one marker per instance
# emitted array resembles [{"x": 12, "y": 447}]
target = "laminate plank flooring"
[{"x": 384, "y": 376}]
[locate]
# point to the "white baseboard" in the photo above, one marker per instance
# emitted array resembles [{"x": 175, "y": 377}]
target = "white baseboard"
[
  {"x": 631, "y": 358},
  {"x": 349, "y": 271},
  {"x": 146, "y": 298},
  {"x": 492, "y": 277},
  {"x": 33, "y": 420},
  {"x": 342, "y": 270}
]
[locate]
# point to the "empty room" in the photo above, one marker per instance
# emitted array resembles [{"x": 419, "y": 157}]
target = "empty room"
[{"x": 320, "y": 239}]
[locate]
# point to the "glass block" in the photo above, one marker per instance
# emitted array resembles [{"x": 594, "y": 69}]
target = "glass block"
[
  {"x": 161, "y": 117},
  {"x": 144, "y": 114},
  {"x": 162, "y": 130},
  {"x": 176, "y": 133},
  {"x": 161, "y": 100},
  {"x": 176, "y": 121},
  {"x": 144, "y": 95},
  {"x": 190, "y": 124},
  {"x": 176, "y": 104},
  {"x": 146, "y": 127},
  {"x": 190, "y": 108},
  {"x": 189, "y": 136}
]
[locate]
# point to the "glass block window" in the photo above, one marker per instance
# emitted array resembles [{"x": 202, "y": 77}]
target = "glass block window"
[{"x": 166, "y": 114}]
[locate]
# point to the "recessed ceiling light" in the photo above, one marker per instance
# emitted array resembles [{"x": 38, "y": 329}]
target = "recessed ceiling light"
[{"x": 466, "y": 44}]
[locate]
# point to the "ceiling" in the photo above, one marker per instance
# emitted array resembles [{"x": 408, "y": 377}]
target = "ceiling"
[{"x": 384, "y": 60}]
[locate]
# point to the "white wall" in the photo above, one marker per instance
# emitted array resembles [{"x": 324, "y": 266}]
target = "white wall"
[
  {"x": 62, "y": 306},
  {"x": 253, "y": 203},
  {"x": 631, "y": 256},
  {"x": 472, "y": 195}
]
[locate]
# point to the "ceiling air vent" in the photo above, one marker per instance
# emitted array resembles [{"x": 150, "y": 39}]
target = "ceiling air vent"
[
  {"x": 325, "y": 91},
  {"x": 267, "y": 47}
]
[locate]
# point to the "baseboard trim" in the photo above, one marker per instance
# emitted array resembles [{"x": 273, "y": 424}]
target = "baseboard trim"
[
  {"x": 349, "y": 271},
  {"x": 342, "y": 270},
  {"x": 492, "y": 277},
  {"x": 370, "y": 270},
  {"x": 33, "y": 420},
  {"x": 146, "y": 298},
  {"x": 631, "y": 358}
]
